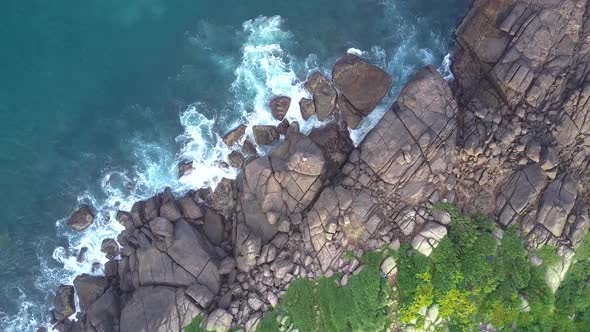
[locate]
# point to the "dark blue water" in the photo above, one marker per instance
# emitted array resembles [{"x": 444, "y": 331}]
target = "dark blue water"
[{"x": 95, "y": 95}]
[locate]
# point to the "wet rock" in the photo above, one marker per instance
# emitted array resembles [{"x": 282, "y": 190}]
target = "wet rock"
[
  {"x": 307, "y": 108},
  {"x": 283, "y": 127},
  {"x": 89, "y": 289},
  {"x": 185, "y": 168},
  {"x": 265, "y": 135},
  {"x": 324, "y": 95},
  {"x": 235, "y": 135},
  {"x": 349, "y": 113},
  {"x": 63, "y": 303},
  {"x": 110, "y": 247},
  {"x": 249, "y": 148},
  {"x": 279, "y": 107},
  {"x": 236, "y": 159},
  {"x": 81, "y": 257},
  {"x": 81, "y": 219},
  {"x": 363, "y": 84}
]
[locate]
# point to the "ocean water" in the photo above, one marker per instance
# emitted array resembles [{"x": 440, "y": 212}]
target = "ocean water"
[{"x": 100, "y": 100}]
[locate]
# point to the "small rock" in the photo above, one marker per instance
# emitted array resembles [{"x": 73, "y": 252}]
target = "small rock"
[
  {"x": 279, "y": 107},
  {"x": 249, "y": 148},
  {"x": 234, "y": 135},
  {"x": 307, "y": 108},
  {"x": 219, "y": 321},
  {"x": 189, "y": 208},
  {"x": 81, "y": 219},
  {"x": 254, "y": 302},
  {"x": 227, "y": 265},
  {"x": 236, "y": 159},
  {"x": 284, "y": 226},
  {"x": 389, "y": 267},
  {"x": 265, "y": 135},
  {"x": 82, "y": 255},
  {"x": 185, "y": 168},
  {"x": 272, "y": 299},
  {"x": 442, "y": 217},
  {"x": 282, "y": 267},
  {"x": 201, "y": 295},
  {"x": 533, "y": 151},
  {"x": 110, "y": 248},
  {"x": 283, "y": 127}
]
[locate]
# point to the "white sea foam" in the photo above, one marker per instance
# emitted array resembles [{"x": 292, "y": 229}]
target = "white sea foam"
[{"x": 445, "y": 68}]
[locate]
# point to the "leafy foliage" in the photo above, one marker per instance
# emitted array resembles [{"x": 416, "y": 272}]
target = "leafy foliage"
[
  {"x": 361, "y": 305},
  {"x": 476, "y": 279},
  {"x": 195, "y": 325},
  {"x": 299, "y": 303}
]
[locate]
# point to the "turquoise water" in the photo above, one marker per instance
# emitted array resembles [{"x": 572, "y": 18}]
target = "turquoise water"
[{"x": 94, "y": 102}]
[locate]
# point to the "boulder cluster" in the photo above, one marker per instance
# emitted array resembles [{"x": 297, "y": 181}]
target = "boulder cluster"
[{"x": 509, "y": 137}]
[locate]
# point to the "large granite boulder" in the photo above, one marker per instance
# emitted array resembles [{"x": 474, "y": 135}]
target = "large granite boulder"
[
  {"x": 282, "y": 184},
  {"x": 104, "y": 314},
  {"x": 520, "y": 192},
  {"x": 415, "y": 138},
  {"x": 158, "y": 309},
  {"x": 557, "y": 203},
  {"x": 81, "y": 219},
  {"x": 364, "y": 85},
  {"x": 89, "y": 289}
]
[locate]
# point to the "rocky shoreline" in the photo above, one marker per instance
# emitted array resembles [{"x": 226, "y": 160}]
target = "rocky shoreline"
[{"x": 508, "y": 137}]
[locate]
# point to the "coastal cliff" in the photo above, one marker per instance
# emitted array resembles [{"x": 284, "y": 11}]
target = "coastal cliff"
[{"x": 506, "y": 137}]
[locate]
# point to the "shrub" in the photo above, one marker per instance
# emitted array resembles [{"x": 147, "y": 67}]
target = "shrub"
[
  {"x": 195, "y": 325},
  {"x": 446, "y": 271},
  {"x": 457, "y": 306},
  {"x": 300, "y": 304},
  {"x": 410, "y": 263},
  {"x": 423, "y": 298},
  {"x": 514, "y": 260}
]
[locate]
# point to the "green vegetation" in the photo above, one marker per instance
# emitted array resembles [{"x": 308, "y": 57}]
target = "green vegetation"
[
  {"x": 195, "y": 325},
  {"x": 310, "y": 306},
  {"x": 471, "y": 276}
]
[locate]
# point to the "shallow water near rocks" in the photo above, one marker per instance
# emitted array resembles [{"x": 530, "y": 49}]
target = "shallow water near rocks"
[{"x": 94, "y": 95}]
